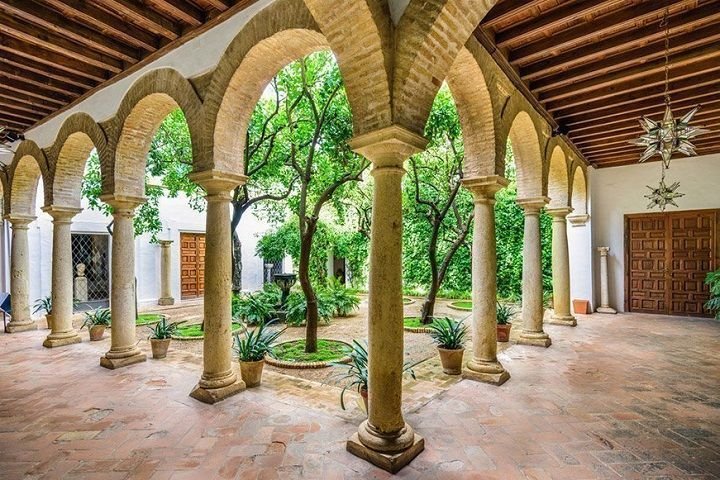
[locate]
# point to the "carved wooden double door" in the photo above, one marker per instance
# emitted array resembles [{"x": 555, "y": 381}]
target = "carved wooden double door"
[{"x": 192, "y": 264}]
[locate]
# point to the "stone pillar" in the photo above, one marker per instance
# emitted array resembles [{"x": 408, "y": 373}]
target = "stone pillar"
[
  {"x": 62, "y": 332},
  {"x": 384, "y": 439},
  {"x": 604, "y": 293},
  {"x": 561, "y": 268},
  {"x": 166, "y": 297},
  {"x": 484, "y": 365},
  {"x": 219, "y": 379},
  {"x": 532, "y": 291},
  {"x": 20, "y": 319},
  {"x": 123, "y": 342}
]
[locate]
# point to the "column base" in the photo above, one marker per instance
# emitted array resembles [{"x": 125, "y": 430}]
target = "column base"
[
  {"x": 21, "y": 327},
  {"x": 390, "y": 462},
  {"x": 609, "y": 310},
  {"x": 487, "y": 372},
  {"x": 214, "y": 395},
  {"x": 166, "y": 301},
  {"x": 534, "y": 339},
  {"x": 61, "y": 340},
  {"x": 113, "y": 363},
  {"x": 567, "y": 320}
]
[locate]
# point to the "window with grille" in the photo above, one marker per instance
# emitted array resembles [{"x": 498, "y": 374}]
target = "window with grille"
[
  {"x": 277, "y": 267},
  {"x": 92, "y": 251}
]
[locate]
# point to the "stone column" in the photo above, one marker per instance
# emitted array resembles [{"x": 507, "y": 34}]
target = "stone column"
[
  {"x": 62, "y": 332},
  {"x": 384, "y": 439},
  {"x": 219, "y": 379},
  {"x": 561, "y": 268},
  {"x": 166, "y": 297},
  {"x": 532, "y": 291},
  {"x": 123, "y": 342},
  {"x": 484, "y": 365},
  {"x": 20, "y": 319},
  {"x": 604, "y": 293}
]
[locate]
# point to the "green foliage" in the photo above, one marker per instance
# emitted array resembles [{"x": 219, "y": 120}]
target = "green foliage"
[
  {"x": 296, "y": 308},
  {"x": 196, "y": 330},
  {"x": 252, "y": 308},
  {"x": 415, "y": 322},
  {"x": 148, "y": 318},
  {"x": 462, "y": 305},
  {"x": 163, "y": 330},
  {"x": 344, "y": 300},
  {"x": 448, "y": 333},
  {"x": 327, "y": 351},
  {"x": 43, "y": 304},
  {"x": 254, "y": 344},
  {"x": 505, "y": 313},
  {"x": 713, "y": 281},
  {"x": 99, "y": 316}
]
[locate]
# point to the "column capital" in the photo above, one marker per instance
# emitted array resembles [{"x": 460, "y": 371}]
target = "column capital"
[
  {"x": 217, "y": 181},
  {"x": 389, "y": 146},
  {"x": 603, "y": 251},
  {"x": 532, "y": 205},
  {"x": 123, "y": 202},
  {"x": 485, "y": 188},
  {"x": 20, "y": 221},
  {"x": 60, "y": 213},
  {"x": 165, "y": 243},
  {"x": 578, "y": 219},
  {"x": 559, "y": 212}
]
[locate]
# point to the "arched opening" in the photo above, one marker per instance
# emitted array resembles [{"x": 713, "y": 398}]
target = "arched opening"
[
  {"x": 70, "y": 169},
  {"x": 579, "y": 192},
  {"x": 525, "y": 146},
  {"x": 25, "y": 182},
  {"x": 558, "y": 184}
]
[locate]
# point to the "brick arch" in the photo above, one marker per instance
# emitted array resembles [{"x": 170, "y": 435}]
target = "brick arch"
[
  {"x": 429, "y": 36},
  {"x": 29, "y": 165},
  {"x": 477, "y": 115},
  {"x": 578, "y": 187},
  {"x": 558, "y": 182},
  {"x": 4, "y": 190},
  {"x": 130, "y": 132},
  {"x": 78, "y": 136},
  {"x": 278, "y": 35},
  {"x": 525, "y": 144}
]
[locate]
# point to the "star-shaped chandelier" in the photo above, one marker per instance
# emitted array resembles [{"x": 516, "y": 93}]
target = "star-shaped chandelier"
[{"x": 662, "y": 195}]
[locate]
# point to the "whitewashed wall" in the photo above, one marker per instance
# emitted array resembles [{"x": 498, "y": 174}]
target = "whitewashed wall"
[{"x": 619, "y": 191}]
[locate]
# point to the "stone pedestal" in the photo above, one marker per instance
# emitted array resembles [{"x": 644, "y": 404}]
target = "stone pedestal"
[
  {"x": 604, "y": 291},
  {"x": 561, "y": 268},
  {"x": 123, "y": 342},
  {"x": 484, "y": 365},
  {"x": 385, "y": 439},
  {"x": 532, "y": 292},
  {"x": 20, "y": 319},
  {"x": 218, "y": 380},
  {"x": 62, "y": 332},
  {"x": 166, "y": 297}
]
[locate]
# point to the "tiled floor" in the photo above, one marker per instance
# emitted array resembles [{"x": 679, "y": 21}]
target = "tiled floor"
[{"x": 617, "y": 397}]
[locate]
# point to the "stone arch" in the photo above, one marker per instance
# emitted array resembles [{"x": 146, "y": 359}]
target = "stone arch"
[
  {"x": 558, "y": 182},
  {"x": 129, "y": 134},
  {"x": 77, "y": 137},
  {"x": 526, "y": 149},
  {"x": 3, "y": 195},
  {"x": 477, "y": 115},
  {"x": 275, "y": 37},
  {"x": 429, "y": 36},
  {"x": 29, "y": 165},
  {"x": 579, "y": 191}
]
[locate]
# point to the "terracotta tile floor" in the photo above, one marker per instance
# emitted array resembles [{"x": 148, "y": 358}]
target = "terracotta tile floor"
[{"x": 617, "y": 397}]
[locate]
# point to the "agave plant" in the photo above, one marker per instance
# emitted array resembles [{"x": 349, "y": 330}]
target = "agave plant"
[
  {"x": 43, "y": 304},
  {"x": 448, "y": 333},
  {"x": 505, "y": 313},
  {"x": 99, "y": 316},
  {"x": 253, "y": 345},
  {"x": 713, "y": 281},
  {"x": 163, "y": 330},
  {"x": 343, "y": 299}
]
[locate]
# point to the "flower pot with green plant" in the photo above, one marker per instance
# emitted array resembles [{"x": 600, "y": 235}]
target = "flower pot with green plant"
[
  {"x": 161, "y": 335},
  {"x": 44, "y": 305},
  {"x": 504, "y": 315},
  {"x": 96, "y": 321},
  {"x": 251, "y": 348},
  {"x": 712, "y": 280},
  {"x": 449, "y": 335}
]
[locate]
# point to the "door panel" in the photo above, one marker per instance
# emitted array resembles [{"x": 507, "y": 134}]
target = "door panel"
[{"x": 192, "y": 264}]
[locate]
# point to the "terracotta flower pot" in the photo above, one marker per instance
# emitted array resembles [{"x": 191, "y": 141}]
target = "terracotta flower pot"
[
  {"x": 503, "y": 332},
  {"x": 97, "y": 332},
  {"x": 160, "y": 347},
  {"x": 49, "y": 320},
  {"x": 251, "y": 372},
  {"x": 451, "y": 360},
  {"x": 581, "y": 307},
  {"x": 364, "y": 396}
]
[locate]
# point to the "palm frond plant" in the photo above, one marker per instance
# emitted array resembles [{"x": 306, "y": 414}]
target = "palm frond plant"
[
  {"x": 160, "y": 335},
  {"x": 96, "y": 321},
  {"x": 251, "y": 348},
  {"x": 43, "y": 304},
  {"x": 449, "y": 335},
  {"x": 712, "y": 280}
]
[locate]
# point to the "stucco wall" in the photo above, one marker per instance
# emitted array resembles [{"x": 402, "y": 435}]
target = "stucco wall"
[{"x": 618, "y": 191}]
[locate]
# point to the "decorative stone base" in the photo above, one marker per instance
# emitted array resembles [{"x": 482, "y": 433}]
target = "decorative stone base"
[
  {"x": 606, "y": 310},
  {"x": 20, "y": 327},
  {"x": 534, "y": 340},
  {"x": 60, "y": 342},
  {"x": 113, "y": 363},
  {"x": 214, "y": 395},
  {"x": 392, "y": 463},
  {"x": 166, "y": 301},
  {"x": 491, "y": 378},
  {"x": 568, "y": 321}
]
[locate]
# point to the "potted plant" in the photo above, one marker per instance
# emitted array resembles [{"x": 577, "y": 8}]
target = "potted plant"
[
  {"x": 505, "y": 313},
  {"x": 712, "y": 280},
  {"x": 96, "y": 321},
  {"x": 251, "y": 349},
  {"x": 449, "y": 335},
  {"x": 161, "y": 335},
  {"x": 44, "y": 305}
]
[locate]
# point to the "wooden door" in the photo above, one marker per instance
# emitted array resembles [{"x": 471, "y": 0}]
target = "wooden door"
[
  {"x": 192, "y": 264},
  {"x": 668, "y": 256}
]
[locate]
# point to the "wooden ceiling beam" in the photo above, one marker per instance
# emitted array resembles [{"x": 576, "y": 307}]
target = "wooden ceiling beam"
[
  {"x": 19, "y": 116},
  {"x": 505, "y": 10},
  {"x": 184, "y": 11},
  {"x": 20, "y": 107},
  {"x": 144, "y": 17},
  {"x": 18, "y": 125},
  {"x": 633, "y": 159},
  {"x": 25, "y": 99},
  {"x": 218, "y": 5},
  {"x": 31, "y": 65},
  {"x": 23, "y": 88},
  {"x": 41, "y": 81},
  {"x": 630, "y": 149}
]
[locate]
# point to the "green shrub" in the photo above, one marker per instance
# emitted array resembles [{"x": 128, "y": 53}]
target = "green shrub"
[
  {"x": 344, "y": 300},
  {"x": 252, "y": 308},
  {"x": 713, "y": 281},
  {"x": 296, "y": 308}
]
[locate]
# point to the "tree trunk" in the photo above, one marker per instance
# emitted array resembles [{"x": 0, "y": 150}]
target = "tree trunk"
[
  {"x": 311, "y": 319},
  {"x": 428, "y": 308},
  {"x": 237, "y": 263}
]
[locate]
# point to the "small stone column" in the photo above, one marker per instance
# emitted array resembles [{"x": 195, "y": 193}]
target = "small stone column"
[
  {"x": 604, "y": 293},
  {"x": 123, "y": 342},
  {"x": 561, "y": 268},
  {"x": 166, "y": 297},
  {"x": 484, "y": 365},
  {"x": 20, "y": 319},
  {"x": 384, "y": 439},
  {"x": 62, "y": 332},
  {"x": 532, "y": 291},
  {"x": 219, "y": 380}
]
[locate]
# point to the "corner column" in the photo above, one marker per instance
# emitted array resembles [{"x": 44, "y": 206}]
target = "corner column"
[
  {"x": 604, "y": 282},
  {"x": 166, "y": 297},
  {"x": 484, "y": 365},
  {"x": 123, "y": 343},
  {"x": 561, "y": 268},
  {"x": 62, "y": 332},
  {"x": 219, "y": 380},
  {"x": 384, "y": 439},
  {"x": 20, "y": 319},
  {"x": 532, "y": 291}
]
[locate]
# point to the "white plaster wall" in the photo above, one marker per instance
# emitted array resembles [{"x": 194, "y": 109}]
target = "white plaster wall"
[
  {"x": 581, "y": 265},
  {"x": 618, "y": 191}
]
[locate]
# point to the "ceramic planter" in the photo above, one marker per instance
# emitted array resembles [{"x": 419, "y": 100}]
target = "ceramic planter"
[
  {"x": 451, "y": 360},
  {"x": 97, "y": 332},
  {"x": 503, "y": 332},
  {"x": 159, "y": 347},
  {"x": 581, "y": 307},
  {"x": 49, "y": 320},
  {"x": 251, "y": 372}
]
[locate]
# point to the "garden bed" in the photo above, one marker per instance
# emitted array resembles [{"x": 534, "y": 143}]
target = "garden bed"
[
  {"x": 462, "y": 305},
  {"x": 292, "y": 354},
  {"x": 193, "y": 331},
  {"x": 149, "y": 318},
  {"x": 414, "y": 325},
  {"x": 408, "y": 301}
]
